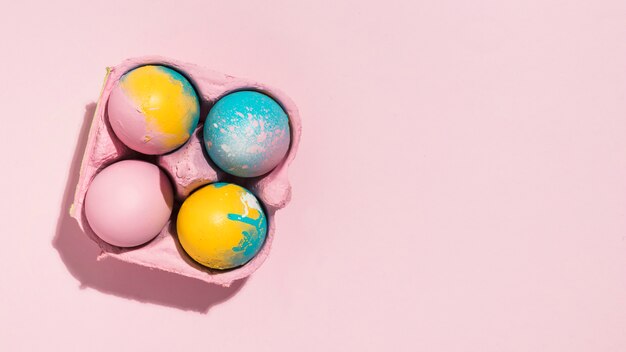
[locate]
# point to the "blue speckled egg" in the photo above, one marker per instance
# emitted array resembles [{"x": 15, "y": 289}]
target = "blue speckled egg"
[{"x": 247, "y": 133}]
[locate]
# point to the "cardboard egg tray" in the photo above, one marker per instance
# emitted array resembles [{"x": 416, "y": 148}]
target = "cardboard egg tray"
[{"x": 188, "y": 167}]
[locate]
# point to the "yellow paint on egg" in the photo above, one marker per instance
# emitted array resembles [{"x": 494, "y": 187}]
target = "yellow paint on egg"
[
  {"x": 166, "y": 99},
  {"x": 221, "y": 226}
]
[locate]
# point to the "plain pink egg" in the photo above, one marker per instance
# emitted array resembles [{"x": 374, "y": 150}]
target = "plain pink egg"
[{"x": 128, "y": 203}]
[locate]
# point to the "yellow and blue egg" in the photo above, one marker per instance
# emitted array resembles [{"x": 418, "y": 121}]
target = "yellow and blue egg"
[
  {"x": 221, "y": 226},
  {"x": 153, "y": 109}
]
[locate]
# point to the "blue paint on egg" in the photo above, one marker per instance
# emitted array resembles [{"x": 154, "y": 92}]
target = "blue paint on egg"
[
  {"x": 247, "y": 133},
  {"x": 177, "y": 76},
  {"x": 251, "y": 241}
]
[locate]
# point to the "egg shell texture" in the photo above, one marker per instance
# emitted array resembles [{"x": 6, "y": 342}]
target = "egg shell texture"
[
  {"x": 153, "y": 109},
  {"x": 129, "y": 202},
  {"x": 164, "y": 252},
  {"x": 221, "y": 225},
  {"x": 246, "y": 133}
]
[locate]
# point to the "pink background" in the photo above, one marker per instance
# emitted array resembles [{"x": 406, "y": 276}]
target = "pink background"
[{"x": 461, "y": 182}]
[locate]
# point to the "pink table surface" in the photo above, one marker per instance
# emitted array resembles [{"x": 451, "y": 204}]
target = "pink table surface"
[{"x": 460, "y": 185}]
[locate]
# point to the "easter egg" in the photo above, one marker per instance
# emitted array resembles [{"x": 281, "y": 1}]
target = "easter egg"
[
  {"x": 247, "y": 133},
  {"x": 221, "y": 226},
  {"x": 153, "y": 109},
  {"x": 128, "y": 203}
]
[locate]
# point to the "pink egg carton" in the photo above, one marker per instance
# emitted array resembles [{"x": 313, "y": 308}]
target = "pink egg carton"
[{"x": 189, "y": 167}]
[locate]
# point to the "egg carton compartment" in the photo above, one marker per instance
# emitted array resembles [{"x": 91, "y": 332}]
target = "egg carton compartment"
[{"x": 189, "y": 167}]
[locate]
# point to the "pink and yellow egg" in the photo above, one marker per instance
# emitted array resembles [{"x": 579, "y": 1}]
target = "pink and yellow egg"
[{"x": 153, "y": 109}]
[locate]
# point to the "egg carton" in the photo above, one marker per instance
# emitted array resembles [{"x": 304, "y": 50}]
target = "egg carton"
[{"x": 188, "y": 167}]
